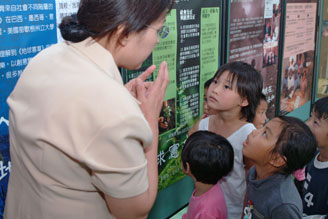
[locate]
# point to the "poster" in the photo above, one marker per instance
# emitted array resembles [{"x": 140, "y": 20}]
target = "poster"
[
  {"x": 191, "y": 50},
  {"x": 26, "y": 28},
  {"x": 325, "y": 10},
  {"x": 298, "y": 55},
  {"x": 323, "y": 62},
  {"x": 254, "y": 38}
]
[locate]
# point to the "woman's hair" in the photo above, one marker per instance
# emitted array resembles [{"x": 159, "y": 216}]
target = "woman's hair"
[
  {"x": 296, "y": 143},
  {"x": 249, "y": 85},
  {"x": 98, "y": 18},
  {"x": 210, "y": 156},
  {"x": 320, "y": 108}
]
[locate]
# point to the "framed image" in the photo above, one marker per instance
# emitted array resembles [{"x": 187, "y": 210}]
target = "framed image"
[
  {"x": 254, "y": 29},
  {"x": 322, "y": 83},
  {"x": 298, "y": 54}
]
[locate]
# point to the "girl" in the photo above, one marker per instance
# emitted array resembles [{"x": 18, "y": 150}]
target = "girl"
[
  {"x": 234, "y": 94},
  {"x": 282, "y": 146}
]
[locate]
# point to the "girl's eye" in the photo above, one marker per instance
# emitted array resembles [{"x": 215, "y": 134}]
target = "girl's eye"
[
  {"x": 215, "y": 81},
  {"x": 315, "y": 122},
  {"x": 264, "y": 133},
  {"x": 226, "y": 86}
]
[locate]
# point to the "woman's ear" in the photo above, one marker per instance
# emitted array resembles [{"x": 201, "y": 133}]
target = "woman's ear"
[{"x": 118, "y": 33}]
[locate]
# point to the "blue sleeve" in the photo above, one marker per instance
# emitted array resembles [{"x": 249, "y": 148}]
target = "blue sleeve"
[{"x": 286, "y": 211}]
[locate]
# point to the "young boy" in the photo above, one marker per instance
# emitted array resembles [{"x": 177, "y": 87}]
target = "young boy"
[
  {"x": 282, "y": 146},
  {"x": 207, "y": 157},
  {"x": 260, "y": 113},
  {"x": 315, "y": 201}
]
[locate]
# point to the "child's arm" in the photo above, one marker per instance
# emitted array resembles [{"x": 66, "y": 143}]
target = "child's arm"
[{"x": 194, "y": 128}]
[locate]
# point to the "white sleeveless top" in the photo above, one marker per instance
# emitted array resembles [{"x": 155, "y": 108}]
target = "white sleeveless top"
[{"x": 234, "y": 184}]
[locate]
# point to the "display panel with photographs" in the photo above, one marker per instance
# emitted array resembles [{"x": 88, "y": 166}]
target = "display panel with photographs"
[
  {"x": 322, "y": 87},
  {"x": 298, "y": 54},
  {"x": 254, "y": 28},
  {"x": 191, "y": 50}
]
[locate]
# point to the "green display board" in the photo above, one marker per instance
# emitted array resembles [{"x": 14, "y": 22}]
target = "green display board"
[{"x": 192, "y": 51}]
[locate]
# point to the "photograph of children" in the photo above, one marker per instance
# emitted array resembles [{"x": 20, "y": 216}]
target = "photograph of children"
[
  {"x": 296, "y": 84},
  {"x": 271, "y": 37},
  {"x": 323, "y": 63},
  {"x": 166, "y": 120}
]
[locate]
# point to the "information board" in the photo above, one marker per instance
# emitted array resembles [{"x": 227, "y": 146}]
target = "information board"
[
  {"x": 192, "y": 52},
  {"x": 298, "y": 54},
  {"x": 322, "y": 87},
  {"x": 254, "y": 28}
]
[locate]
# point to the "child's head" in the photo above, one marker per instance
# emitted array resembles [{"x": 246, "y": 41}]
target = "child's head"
[
  {"x": 243, "y": 79},
  {"x": 206, "y": 109},
  {"x": 318, "y": 122},
  {"x": 284, "y": 144},
  {"x": 260, "y": 113},
  {"x": 207, "y": 157}
]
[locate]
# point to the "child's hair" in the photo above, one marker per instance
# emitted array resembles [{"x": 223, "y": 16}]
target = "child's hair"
[
  {"x": 210, "y": 156},
  {"x": 249, "y": 85},
  {"x": 208, "y": 83},
  {"x": 262, "y": 97},
  {"x": 320, "y": 108},
  {"x": 296, "y": 143}
]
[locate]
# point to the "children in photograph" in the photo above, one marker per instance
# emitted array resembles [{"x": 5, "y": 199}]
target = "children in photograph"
[
  {"x": 206, "y": 157},
  {"x": 315, "y": 201},
  {"x": 234, "y": 94},
  {"x": 282, "y": 146},
  {"x": 206, "y": 109},
  {"x": 260, "y": 113}
]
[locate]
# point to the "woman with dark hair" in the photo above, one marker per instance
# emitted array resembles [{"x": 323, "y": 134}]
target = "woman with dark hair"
[{"x": 82, "y": 144}]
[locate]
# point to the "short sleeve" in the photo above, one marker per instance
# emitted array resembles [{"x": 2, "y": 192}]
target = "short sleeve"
[
  {"x": 117, "y": 161},
  {"x": 116, "y": 158},
  {"x": 286, "y": 211}
]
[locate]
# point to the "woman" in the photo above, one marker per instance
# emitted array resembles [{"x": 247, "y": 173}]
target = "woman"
[{"x": 83, "y": 145}]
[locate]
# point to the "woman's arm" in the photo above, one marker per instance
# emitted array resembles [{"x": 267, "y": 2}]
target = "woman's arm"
[{"x": 151, "y": 97}]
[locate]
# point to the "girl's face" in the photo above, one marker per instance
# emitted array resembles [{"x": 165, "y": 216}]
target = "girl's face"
[
  {"x": 319, "y": 128},
  {"x": 222, "y": 94},
  {"x": 260, "y": 143},
  {"x": 137, "y": 46},
  {"x": 260, "y": 114}
]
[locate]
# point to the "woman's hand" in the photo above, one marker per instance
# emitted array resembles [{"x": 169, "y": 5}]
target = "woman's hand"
[
  {"x": 131, "y": 85},
  {"x": 151, "y": 95}
]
